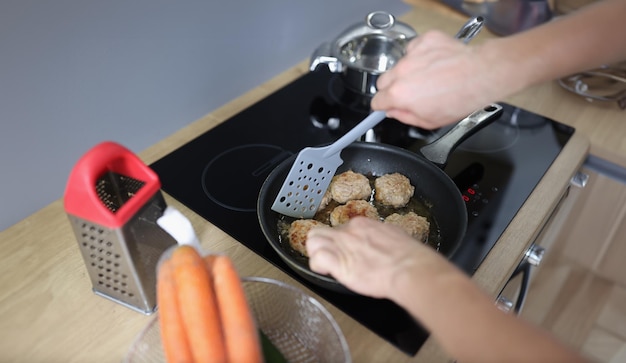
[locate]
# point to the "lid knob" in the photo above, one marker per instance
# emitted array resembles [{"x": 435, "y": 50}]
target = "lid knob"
[{"x": 380, "y": 20}]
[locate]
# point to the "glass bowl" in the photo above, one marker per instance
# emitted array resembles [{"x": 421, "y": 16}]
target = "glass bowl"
[{"x": 298, "y": 325}]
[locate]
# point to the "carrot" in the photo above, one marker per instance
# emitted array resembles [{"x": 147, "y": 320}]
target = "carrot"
[
  {"x": 173, "y": 336},
  {"x": 203, "y": 311},
  {"x": 238, "y": 326},
  {"x": 198, "y": 305}
]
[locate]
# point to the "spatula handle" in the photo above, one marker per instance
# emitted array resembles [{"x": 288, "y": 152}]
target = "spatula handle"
[{"x": 370, "y": 121}]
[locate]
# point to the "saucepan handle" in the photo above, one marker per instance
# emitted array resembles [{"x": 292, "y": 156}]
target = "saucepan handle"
[{"x": 470, "y": 29}]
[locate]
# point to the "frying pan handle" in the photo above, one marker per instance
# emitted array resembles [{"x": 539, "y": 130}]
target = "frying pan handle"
[{"x": 439, "y": 150}]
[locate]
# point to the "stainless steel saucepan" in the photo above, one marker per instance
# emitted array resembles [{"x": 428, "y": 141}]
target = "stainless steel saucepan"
[{"x": 364, "y": 51}]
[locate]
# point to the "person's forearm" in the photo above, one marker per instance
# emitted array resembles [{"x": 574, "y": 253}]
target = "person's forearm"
[
  {"x": 461, "y": 317},
  {"x": 582, "y": 40}
]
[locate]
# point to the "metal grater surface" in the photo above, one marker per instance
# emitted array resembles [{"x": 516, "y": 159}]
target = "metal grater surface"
[
  {"x": 106, "y": 259},
  {"x": 122, "y": 261},
  {"x": 113, "y": 201},
  {"x": 115, "y": 189}
]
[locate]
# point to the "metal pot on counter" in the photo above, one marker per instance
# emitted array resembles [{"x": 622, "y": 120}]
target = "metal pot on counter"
[{"x": 366, "y": 50}]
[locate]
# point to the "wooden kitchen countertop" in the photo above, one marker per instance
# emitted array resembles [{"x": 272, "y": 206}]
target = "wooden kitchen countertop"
[{"x": 49, "y": 314}]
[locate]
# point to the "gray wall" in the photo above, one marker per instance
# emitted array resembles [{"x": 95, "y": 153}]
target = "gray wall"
[{"x": 77, "y": 72}]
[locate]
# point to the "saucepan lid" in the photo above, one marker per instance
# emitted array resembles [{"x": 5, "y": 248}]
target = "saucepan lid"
[{"x": 375, "y": 45}]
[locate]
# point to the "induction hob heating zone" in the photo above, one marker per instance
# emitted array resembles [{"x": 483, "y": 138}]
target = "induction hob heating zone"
[{"x": 219, "y": 175}]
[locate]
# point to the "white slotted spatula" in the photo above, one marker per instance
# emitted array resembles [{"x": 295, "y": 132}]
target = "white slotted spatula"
[{"x": 312, "y": 171}]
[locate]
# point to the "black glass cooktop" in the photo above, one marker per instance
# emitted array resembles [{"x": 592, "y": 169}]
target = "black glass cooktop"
[{"x": 219, "y": 174}]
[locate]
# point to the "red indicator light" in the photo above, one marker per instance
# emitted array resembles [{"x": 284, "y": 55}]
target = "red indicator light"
[
  {"x": 466, "y": 198},
  {"x": 471, "y": 191}
]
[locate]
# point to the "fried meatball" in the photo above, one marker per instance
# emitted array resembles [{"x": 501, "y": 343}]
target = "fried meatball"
[
  {"x": 325, "y": 200},
  {"x": 298, "y": 231},
  {"x": 350, "y": 186},
  {"x": 353, "y": 208},
  {"x": 415, "y": 225},
  {"x": 393, "y": 190}
]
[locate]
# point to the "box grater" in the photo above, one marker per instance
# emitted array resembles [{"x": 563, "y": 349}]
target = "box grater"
[{"x": 113, "y": 201}]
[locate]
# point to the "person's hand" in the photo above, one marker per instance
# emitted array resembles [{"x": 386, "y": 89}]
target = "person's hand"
[
  {"x": 368, "y": 256},
  {"x": 439, "y": 81}
]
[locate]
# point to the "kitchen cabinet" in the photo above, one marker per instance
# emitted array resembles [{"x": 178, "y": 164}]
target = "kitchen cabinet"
[
  {"x": 578, "y": 293},
  {"x": 513, "y": 295},
  {"x": 594, "y": 232}
]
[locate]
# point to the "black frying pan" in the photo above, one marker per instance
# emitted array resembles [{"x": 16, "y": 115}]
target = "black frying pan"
[{"x": 432, "y": 186}]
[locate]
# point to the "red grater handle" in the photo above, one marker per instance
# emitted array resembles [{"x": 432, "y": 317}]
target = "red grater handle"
[{"x": 81, "y": 198}]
